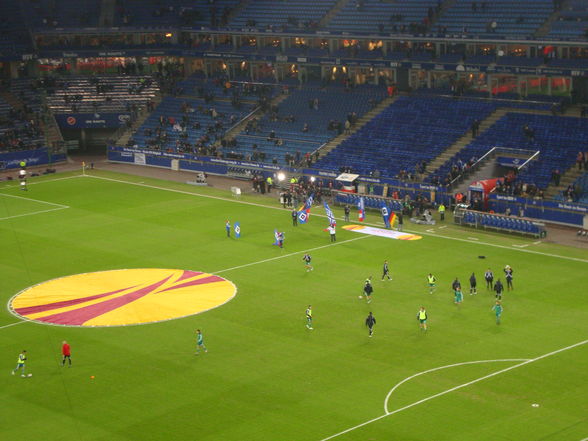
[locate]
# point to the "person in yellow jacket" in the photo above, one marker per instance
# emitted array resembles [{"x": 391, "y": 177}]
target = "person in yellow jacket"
[
  {"x": 442, "y": 211},
  {"x": 422, "y": 318},
  {"x": 269, "y": 181},
  {"x": 20, "y": 363}
]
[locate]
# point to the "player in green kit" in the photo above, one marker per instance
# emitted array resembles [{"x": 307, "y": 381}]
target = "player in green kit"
[
  {"x": 431, "y": 280},
  {"x": 200, "y": 342},
  {"x": 497, "y": 308},
  {"x": 422, "y": 318},
  {"x": 309, "y": 317},
  {"x": 458, "y": 296}
]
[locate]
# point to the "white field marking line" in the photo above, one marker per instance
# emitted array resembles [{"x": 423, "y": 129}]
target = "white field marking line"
[
  {"x": 430, "y": 230},
  {"x": 522, "y": 246},
  {"x": 473, "y": 238},
  {"x": 12, "y": 324},
  {"x": 440, "y": 368},
  {"x": 443, "y": 226},
  {"x": 416, "y": 403},
  {"x": 288, "y": 255},
  {"x": 576, "y": 259},
  {"x": 34, "y": 200},
  {"x": 33, "y": 213},
  {"x": 43, "y": 181},
  {"x": 537, "y": 243}
]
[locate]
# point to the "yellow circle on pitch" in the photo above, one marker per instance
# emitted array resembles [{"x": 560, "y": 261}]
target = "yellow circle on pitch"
[{"x": 122, "y": 297}]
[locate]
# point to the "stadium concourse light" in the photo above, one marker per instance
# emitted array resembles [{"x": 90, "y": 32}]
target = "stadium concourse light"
[
  {"x": 281, "y": 176},
  {"x": 312, "y": 179}
]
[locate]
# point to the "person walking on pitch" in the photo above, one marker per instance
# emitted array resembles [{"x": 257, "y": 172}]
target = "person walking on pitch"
[
  {"x": 370, "y": 321},
  {"x": 20, "y": 364},
  {"x": 66, "y": 353},
  {"x": 309, "y": 317},
  {"x": 489, "y": 277},
  {"x": 307, "y": 259},
  {"x": 422, "y": 318},
  {"x": 228, "y": 228},
  {"x": 368, "y": 289},
  {"x": 473, "y": 284},
  {"x": 200, "y": 342},
  {"x": 431, "y": 280},
  {"x": 386, "y": 271},
  {"x": 508, "y": 276},
  {"x": 498, "y": 288},
  {"x": 497, "y": 308},
  {"x": 458, "y": 296}
]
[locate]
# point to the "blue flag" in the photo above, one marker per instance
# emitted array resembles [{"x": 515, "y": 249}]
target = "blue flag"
[
  {"x": 385, "y": 215},
  {"x": 304, "y": 212},
  {"x": 330, "y": 215},
  {"x": 361, "y": 208},
  {"x": 237, "y": 230}
]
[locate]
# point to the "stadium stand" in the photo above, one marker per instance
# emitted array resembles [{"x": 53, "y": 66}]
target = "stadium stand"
[
  {"x": 293, "y": 14},
  {"x": 85, "y": 94},
  {"x": 14, "y": 36},
  {"x": 324, "y": 112},
  {"x": 576, "y": 192},
  {"x": 188, "y": 125},
  {"x": 50, "y": 14},
  {"x": 369, "y": 16},
  {"x": 556, "y": 137},
  {"x": 572, "y": 22},
  {"x": 518, "y": 18},
  {"x": 409, "y": 132}
]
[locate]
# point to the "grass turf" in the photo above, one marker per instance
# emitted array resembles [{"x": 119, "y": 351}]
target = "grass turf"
[{"x": 266, "y": 377}]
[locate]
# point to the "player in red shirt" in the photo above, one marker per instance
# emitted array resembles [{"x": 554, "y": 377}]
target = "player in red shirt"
[{"x": 66, "y": 352}]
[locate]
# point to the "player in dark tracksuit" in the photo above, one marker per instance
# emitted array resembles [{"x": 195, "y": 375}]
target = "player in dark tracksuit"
[
  {"x": 508, "y": 275},
  {"x": 473, "y": 284},
  {"x": 498, "y": 288},
  {"x": 489, "y": 276},
  {"x": 370, "y": 321},
  {"x": 386, "y": 271}
]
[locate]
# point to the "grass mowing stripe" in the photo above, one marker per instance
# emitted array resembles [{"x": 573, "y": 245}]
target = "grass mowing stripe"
[
  {"x": 469, "y": 383},
  {"x": 575, "y": 259}
]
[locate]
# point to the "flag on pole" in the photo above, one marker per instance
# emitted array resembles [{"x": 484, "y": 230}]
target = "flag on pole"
[
  {"x": 361, "y": 207},
  {"x": 276, "y": 237},
  {"x": 330, "y": 215},
  {"x": 388, "y": 215},
  {"x": 304, "y": 211},
  {"x": 237, "y": 230}
]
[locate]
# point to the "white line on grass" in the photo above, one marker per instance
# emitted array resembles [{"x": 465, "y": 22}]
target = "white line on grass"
[
  {"x": 416, "y": 403},
  {"x": 440, "y": 368},
  {"x": 33, "y": 213},
  {"x": 12, "y": 324},
  {"x": 34, "y": 200},
  {"x": 43, "y": 181},
  {"x": 576, "y": 259},
  {"x": 290, "y": 254}
]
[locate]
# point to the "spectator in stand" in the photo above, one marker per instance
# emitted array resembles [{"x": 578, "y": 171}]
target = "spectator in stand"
[{"x": 580, "y": 160}]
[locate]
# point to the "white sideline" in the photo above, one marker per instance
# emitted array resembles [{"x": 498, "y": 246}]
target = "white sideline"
[
  {"x": 416, "y": 403},
  {"x": 576, "y": 259}
]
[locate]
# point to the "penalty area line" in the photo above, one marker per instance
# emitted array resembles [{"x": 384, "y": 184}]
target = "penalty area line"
[
  {"x": 33, "y": 213},
  {"x": 12, "y": 324},
  {"x": 416, "y": 403}
]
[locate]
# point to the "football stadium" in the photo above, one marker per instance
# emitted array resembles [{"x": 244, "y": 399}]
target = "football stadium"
[{"x": 255, "y": 220}]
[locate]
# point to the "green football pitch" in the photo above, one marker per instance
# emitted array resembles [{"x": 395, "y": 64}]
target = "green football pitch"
[{"x": 265, "y": 375}]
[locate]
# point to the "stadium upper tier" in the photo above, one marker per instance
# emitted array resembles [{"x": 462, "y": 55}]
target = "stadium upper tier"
[
  {"x": 489, "y": 19},
  {"x": 82, "y": 94}
]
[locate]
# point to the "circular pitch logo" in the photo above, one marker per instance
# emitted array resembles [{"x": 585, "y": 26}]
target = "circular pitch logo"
[{"x": 122, "y": 297}]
